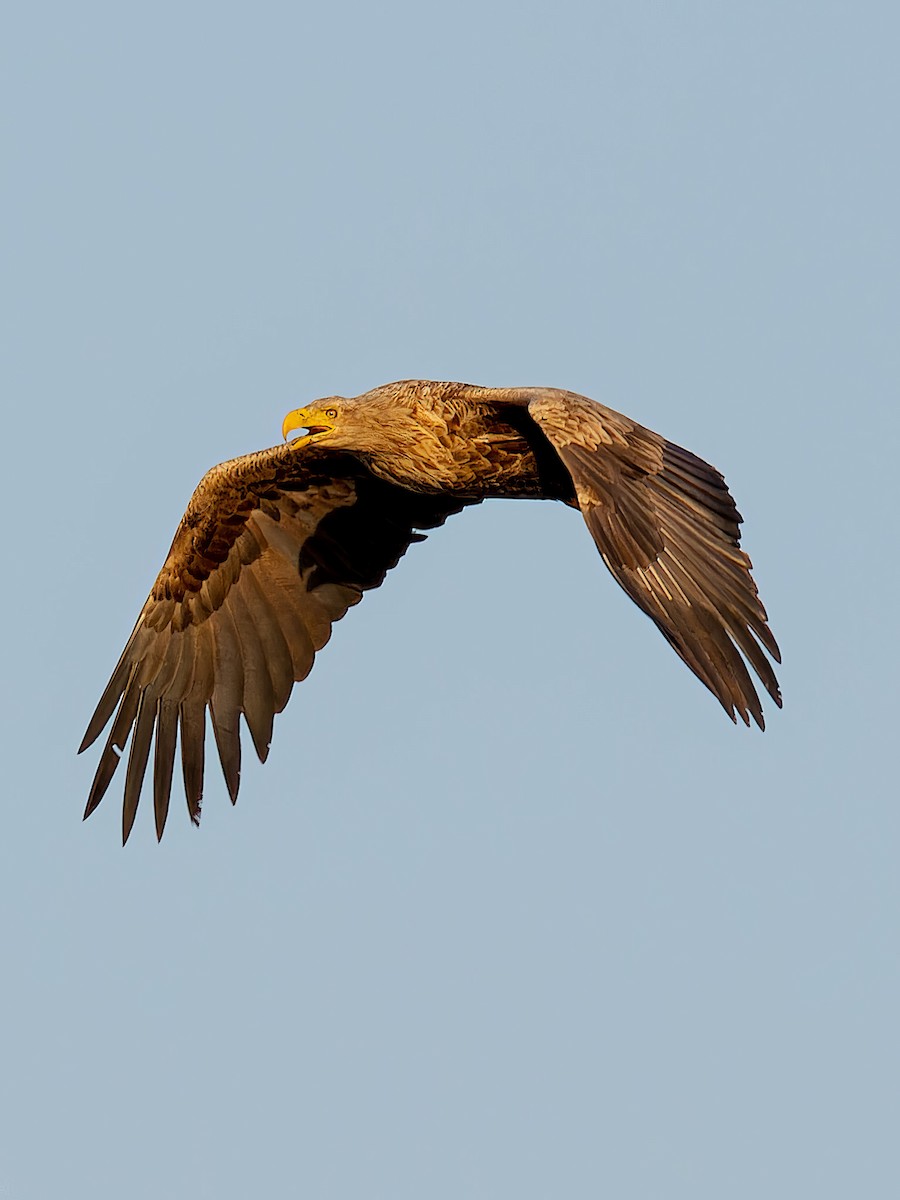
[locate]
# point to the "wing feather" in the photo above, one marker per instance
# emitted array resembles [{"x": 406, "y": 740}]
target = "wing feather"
[
  {"x": 668, "y": 529},
  {"x": 292, "y": 617},
  {"x": 115, "y": 743},
  {"x": 112, "y": 693},
  {"x": 192, "y": 725},
  {"x": 272, "y": 550},
  {"x": 164, "y": 760},
  {"x": 258, "y": 700},
  {"x": 226, "y": 700},
  {"x": 267, "y": 622},
  {"x": 145, "y": 720}
]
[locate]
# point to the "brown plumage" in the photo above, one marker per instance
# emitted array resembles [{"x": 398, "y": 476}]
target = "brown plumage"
[{"x": 277, "y": 545}]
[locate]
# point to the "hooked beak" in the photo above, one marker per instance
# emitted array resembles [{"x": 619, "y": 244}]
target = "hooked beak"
[
  {"x": 307, "y": 422},
  {"x": 294, "y": 420},
  {"x": 299, "y": 420}
]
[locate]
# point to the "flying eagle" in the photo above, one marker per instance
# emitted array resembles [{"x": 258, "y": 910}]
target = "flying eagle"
[{"x": 277, "y": 545}]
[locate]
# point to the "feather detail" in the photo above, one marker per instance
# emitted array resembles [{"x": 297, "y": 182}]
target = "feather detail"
[
  {"x": 137, "y": 759},
  {"x": 164, "y": 760},
  {"x": 669, "y": 531},
  {"x": 258, "y": 699},
  {"x": 192, "y": 722},
  {"x": 225, "y": 703}
]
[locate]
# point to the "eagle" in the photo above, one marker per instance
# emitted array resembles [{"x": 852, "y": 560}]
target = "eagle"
[{"x": 276, "y": 545}]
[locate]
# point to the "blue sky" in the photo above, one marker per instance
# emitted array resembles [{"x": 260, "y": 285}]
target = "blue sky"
[{"x": 512, "y": 909}]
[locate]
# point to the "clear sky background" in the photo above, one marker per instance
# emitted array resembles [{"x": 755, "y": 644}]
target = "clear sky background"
[{"x": 512, "y": 910}]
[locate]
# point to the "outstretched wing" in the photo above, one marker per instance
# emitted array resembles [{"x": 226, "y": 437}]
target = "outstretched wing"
[
  {"x": 273, "y": 549},
  {"x": 668, "y": 529}
]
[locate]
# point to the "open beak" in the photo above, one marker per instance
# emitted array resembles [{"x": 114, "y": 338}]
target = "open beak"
[
  {"x": 294, "y": 420},
  {"x": 298, "y": 420},
  {"x": 305, "y": 423}
]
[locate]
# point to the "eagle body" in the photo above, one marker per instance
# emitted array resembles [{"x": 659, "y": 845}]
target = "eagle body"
[
  {"x": 447, "y": 439},
  {"x": 275, "y": 546}
]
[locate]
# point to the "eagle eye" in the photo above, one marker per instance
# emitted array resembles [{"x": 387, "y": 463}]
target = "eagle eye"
[{"x": 330, "y": 413}]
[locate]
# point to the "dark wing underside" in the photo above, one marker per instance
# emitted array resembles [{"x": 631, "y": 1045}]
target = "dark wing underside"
[
  {"x": 272, "y": 550},
  {"x": 668, "y": 529}
]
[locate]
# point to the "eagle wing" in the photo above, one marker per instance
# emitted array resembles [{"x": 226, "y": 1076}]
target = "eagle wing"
[
  {"x": 668, "y": 529},
  {"x": 273, "y": 549}
]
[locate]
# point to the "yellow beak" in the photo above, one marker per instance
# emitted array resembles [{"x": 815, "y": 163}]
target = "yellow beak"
[{"x": 298, "y": 419}]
